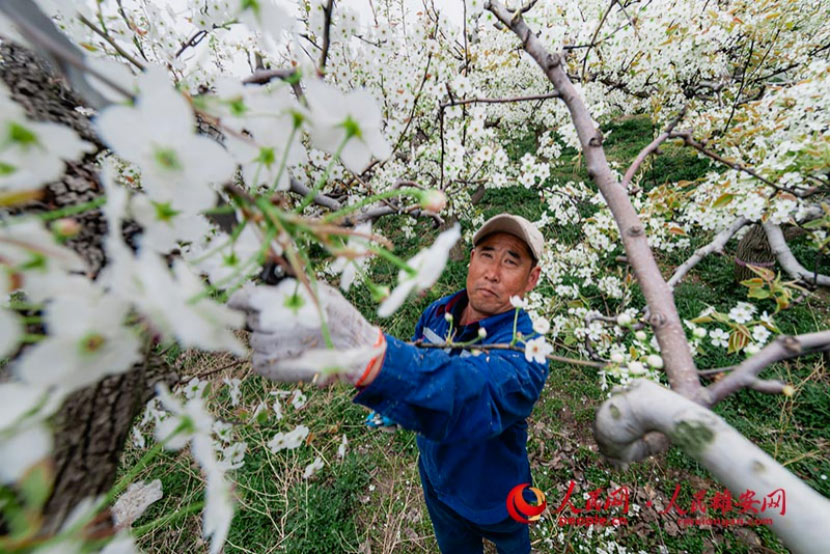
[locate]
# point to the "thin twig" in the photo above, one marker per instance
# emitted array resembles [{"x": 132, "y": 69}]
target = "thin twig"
[
  {"x": 106, "y": 36},
  {"x": 506, "y": 346},
  {"x": 687, "y": 136},
  {"x": 209, "y": 372},
  {"x": 739, "y": 92},
  {"x": 415, "y": 103},
  {"x": 264, "y": 76},
  {"x": 195, "y": 39},
  {"x": 454, "y": 102},
  {"x": 325, "y": 46},
  {"x": 595, "y": 36}
]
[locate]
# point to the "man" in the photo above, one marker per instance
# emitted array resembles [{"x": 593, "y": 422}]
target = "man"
[{"x": 469, "y": 410}]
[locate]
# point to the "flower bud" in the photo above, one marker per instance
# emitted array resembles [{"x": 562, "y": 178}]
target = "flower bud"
[
  {"x": 641, "y": 335},
  {"x": 700, "y": 332},
  {"x": 654, "y": 360},
  {"x": 624, "y": 320},
  {"x": 482, "y": 332},
  {"x": 541, "y": 325},
  {"x": 449, "y": 317},
  {"x": 379, "y": 293},
  {"x": 636, "y": 368},
  {"x": 617, "y": 357},
  {"x": 434, "y": 201},
  {"x": 66, "y": 227}
]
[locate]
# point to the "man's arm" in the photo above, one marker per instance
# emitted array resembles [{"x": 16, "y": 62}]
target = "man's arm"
[{"x": 450, "y": 398}]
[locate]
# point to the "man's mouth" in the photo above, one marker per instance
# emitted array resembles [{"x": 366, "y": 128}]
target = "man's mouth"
[{"x": 488, "y": 291}]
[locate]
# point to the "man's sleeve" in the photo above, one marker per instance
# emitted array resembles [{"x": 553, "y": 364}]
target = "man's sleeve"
[
  {"x": 420, "y": 325},
  {"x": 451, "y": 398}
]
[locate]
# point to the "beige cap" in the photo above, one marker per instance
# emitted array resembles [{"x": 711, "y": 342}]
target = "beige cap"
[{"x": 513, "y": 225}]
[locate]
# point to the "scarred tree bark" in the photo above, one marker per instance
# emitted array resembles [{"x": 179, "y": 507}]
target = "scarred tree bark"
[
  {"x": 92, "y": 425},
  {"x": 631, "y": 413}
]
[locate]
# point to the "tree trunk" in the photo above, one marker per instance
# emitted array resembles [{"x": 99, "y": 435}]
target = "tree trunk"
[
  {"x": 753, "y": 248},
  {"x": 92, "y": 425}
]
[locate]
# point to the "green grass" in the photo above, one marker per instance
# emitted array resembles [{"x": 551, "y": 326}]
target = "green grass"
[{"x": 371, "y": 500}]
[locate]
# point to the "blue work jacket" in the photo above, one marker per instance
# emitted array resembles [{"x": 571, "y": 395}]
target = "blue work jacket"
[{"x": 469, "y": 410}]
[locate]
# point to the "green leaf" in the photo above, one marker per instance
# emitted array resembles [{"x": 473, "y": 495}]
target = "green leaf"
[
  {"x": 702, "y": 319},
  {"x": 36, "y": 485},
  {"x": 737, "y": 341},
  {"x": 816, "y": 224},
  {"x": 723, "y": 200},
  {"x": 766, "y": 274},
  {"x": 758, "y": 292}
]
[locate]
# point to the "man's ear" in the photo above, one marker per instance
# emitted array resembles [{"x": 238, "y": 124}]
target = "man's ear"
[{"x": 534, "y": 275}]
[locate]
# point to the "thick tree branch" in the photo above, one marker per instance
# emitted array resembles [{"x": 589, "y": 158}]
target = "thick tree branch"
[
  {"x": 768, "y": 386},
  {"x": 784, "y": 255},
  {"x": 664, "y": 318},
  {"x": 716, "y": 245},
  {"x": 41, "y": 32},
  {"x": 623, "y": 422},
  {"x": 784, "y": 347}
]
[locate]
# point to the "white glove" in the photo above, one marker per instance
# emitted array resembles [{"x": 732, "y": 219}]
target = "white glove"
[{"x": 287, "y": 343}]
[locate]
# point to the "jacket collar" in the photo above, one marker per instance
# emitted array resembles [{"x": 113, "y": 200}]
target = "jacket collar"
[{"x": 456, "y": 306}]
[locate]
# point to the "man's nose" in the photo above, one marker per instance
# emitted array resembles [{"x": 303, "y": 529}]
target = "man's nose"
[{"x": 492, "y": 272}]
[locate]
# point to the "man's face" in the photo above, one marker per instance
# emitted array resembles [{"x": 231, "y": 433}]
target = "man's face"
[{"x": 500, "y": 268}]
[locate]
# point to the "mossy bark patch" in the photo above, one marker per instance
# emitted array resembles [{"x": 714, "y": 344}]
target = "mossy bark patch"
[{"x": 692, "y": 436}]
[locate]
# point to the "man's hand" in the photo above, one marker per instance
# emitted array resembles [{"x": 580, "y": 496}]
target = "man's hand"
[{"x": 287, "y": 342}]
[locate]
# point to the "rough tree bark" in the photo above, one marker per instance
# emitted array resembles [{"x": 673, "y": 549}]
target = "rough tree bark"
[
  {"x": 92, "y": 425},
  {"x": 753, "y": 248}
]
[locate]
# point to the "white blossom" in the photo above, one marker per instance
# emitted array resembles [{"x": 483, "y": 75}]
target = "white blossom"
[
  {"x": 537, "y": 350},
  {"x": 353, "y": 117},
  {"x": 428, "y": 265},
  {"x": 312, "y": 468},
  {"x": 290, "y": 440},
  {"x": 719, "y": 337},
  {"x": 87, "y": 340},
  {"x": 32, "y": 153},
  {"x": 158, "y": 135},
  {"x": 290, "y": 305}
]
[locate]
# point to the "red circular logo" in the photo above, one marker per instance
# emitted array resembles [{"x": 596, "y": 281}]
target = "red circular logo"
[{"x": 522, "y": 511}]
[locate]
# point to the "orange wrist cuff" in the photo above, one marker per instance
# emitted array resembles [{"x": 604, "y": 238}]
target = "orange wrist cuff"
[{"x": 372, "y": 362}]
